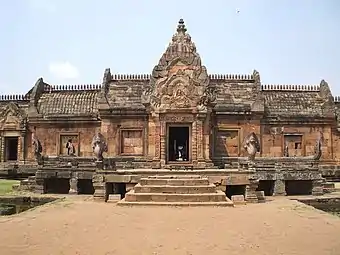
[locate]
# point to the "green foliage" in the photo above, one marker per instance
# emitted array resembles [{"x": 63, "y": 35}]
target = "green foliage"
[{"x": 6, "y": 186}]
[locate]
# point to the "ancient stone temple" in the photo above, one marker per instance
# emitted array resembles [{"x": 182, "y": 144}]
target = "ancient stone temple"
[{"x": 242, "y": 135}]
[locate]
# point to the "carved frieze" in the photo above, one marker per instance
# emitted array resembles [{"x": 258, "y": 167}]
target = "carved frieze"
[{"x": 177, "y": 118}]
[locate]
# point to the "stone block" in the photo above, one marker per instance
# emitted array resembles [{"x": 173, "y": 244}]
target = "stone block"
[
  {"x": 238, "y": 200},
  {"x": 260, "y": 196}
]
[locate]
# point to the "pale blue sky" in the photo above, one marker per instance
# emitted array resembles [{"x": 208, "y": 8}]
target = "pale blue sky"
[{"x": 72, "y": 42}]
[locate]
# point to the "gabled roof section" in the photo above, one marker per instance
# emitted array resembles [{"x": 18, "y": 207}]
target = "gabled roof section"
[
  {"x": 68, "y": 100},
  {"x": 296, "y": 101}
]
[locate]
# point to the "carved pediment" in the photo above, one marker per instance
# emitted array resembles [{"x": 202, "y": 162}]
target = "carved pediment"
[
  {"x": 12, "y": 117},
  {"x": 179, "y": 80}
]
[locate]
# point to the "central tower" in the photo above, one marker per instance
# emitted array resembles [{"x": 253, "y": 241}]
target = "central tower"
[{"x": 179, "y": 100}]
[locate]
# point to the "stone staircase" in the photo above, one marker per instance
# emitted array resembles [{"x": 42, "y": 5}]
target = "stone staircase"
[{"x": 191, "y": 190}]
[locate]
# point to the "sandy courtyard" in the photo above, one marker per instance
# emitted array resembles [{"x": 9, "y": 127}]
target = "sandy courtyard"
[{"x": 78, "y": 226}]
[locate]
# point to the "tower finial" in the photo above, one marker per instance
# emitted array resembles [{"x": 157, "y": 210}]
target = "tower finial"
[{"x": 181, "y": 29}]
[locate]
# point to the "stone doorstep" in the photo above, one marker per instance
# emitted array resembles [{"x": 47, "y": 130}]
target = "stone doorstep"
[
  {"x": 168, "y": 189},
  {"x": 192, "y": 204},
  {"x": 218, "y": 196},
  {"x": 174, "y": 182},
  {"x": 174, "y": 177}
]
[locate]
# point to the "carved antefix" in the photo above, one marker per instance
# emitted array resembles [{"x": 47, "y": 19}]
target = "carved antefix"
[
  {"x": 251, "y": 144},
  {"x": 179, "y": 81}
]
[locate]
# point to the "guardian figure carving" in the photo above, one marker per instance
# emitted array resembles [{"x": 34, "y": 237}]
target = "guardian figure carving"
[
  {"x": 37, "y": 148},
  {"x": 252, "y": 145},
  {"x": 99, "y": 146}
]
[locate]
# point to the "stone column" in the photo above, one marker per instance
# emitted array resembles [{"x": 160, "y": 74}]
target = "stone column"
[
  {"x": 157, "y": 142},
  {"x": 280, "y": 188},
  {"x": 251, "y": 195},
  {"x": 317, "y": 189},
  {"x": 163, "y": 143},
  {"x": 194, "y": 142},
  {"x": 21, "y": 147},
  {"x": 98, "y": 181},
  {"x": 206, "y": 139}
]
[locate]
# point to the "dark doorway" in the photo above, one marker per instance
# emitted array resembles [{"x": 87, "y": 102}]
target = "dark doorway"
[
  {"x": 267, "y": 186},
  {"x": 232, "y": 190},
  {"x": 178, "y": 144},
  {"x": 11, "y": 148},
  {"x": 85, "y": 186},
  {"x": 57, "y": 185},
  {"x": 299, "y": 187}
]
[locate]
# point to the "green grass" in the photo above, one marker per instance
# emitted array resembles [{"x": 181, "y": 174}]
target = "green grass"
[{"x": 6, "y": 186}]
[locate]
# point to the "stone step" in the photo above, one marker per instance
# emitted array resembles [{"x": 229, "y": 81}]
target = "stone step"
[
  {"x": 218, "y": 204},
  {"x": 169, "y": 189},
  {"x": 174, "y": 182},
  {"x": 175, "y": 177},
  {"x": 217, "y": 196}
]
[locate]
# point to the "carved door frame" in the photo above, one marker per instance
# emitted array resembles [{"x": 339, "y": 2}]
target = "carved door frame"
[{"x": 178, "y": 124}]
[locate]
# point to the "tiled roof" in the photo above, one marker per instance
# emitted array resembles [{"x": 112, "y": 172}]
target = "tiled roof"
[
  {"x": 293, "y": 103},
  {"x": 68, "y": 103},
  {"x": 235, "y": 95},
  {"x": 126, "y": 94}
]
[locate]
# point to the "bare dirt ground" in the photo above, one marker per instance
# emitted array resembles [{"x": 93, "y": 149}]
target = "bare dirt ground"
[{"x": 81, "y": 226}]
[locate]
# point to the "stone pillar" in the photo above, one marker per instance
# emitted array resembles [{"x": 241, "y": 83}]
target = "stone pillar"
[
  {"x": 280, "y": 188},
  {"x": 194, "y": 143},
  {"x": 251, "y": 195},
  {"x": 317, "y": 189},
  {"x": 157, "y": 141},
  {"x": 21, "y": 147},
  {"x": 163, "y": 143},
  {"x": 73, "y": 185},
  {"x": 98, "y": 181},
  {"x": 206, "y": 139}
]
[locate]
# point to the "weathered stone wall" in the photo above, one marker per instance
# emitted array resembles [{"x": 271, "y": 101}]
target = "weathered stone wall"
[
  {"x": 49, "y": 136},
  {"x": 223, "y": 125},
  {"x": 115, "y": 130},
  {"x": 273, "y": 140}
]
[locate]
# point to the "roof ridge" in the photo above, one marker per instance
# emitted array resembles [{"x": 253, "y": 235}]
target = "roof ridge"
[
  {"x": 70, "y": 87},
  {"x": 14, "y": 97},
  {"x": 336, "y": 98},
  {"x": 289, "y": 87},
  {"x": 122, "y": 76}
]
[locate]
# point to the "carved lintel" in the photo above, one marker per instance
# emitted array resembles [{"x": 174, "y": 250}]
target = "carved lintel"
[{"x": 177, "y": 118}]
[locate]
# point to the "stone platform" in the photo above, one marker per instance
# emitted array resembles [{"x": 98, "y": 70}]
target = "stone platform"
[{"x": 189, "y": 190}]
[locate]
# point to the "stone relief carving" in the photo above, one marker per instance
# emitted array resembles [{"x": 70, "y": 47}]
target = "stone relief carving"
[
  {"x": 179, "y": 80},
  {"x": 99, "y": 146},
  {"x": 251, "y": 144}
]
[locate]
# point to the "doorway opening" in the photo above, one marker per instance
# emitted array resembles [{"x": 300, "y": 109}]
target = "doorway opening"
[
  {"x": 178, "y": 144},
  {"x": 11, "y": 148}
]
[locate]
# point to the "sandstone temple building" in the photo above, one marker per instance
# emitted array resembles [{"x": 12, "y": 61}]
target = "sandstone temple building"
[{"x": 178, "y": 117}]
